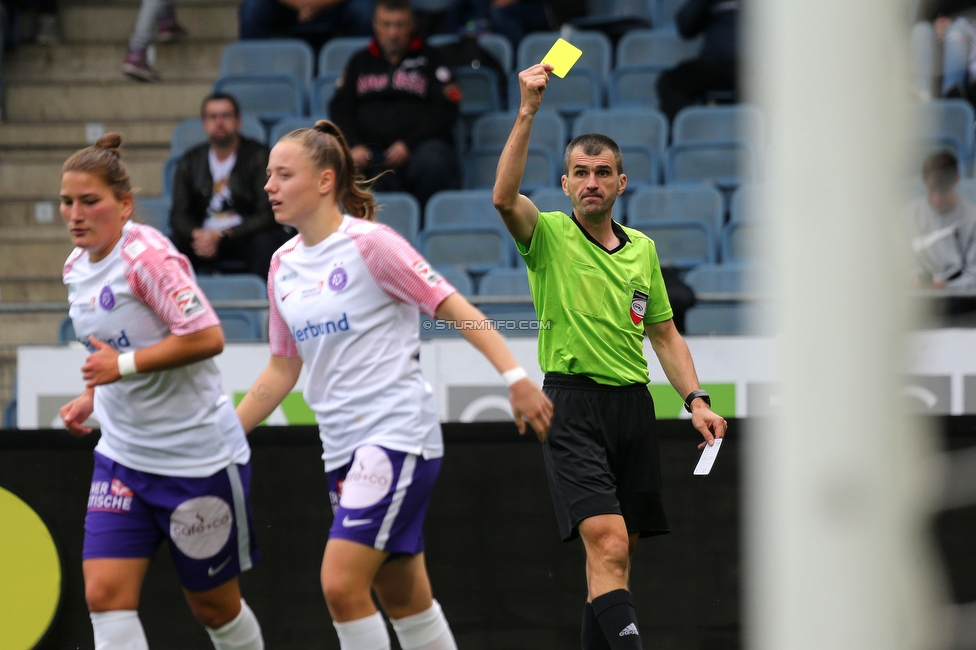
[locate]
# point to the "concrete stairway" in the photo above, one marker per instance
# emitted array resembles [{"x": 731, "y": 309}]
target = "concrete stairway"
[{"x": 60, "y": 99}]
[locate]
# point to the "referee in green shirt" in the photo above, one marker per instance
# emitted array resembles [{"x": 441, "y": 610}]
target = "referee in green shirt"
[{"x": 599, "y": 286}]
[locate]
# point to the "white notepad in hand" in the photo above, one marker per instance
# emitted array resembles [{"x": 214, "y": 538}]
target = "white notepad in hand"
[{"x": 708, "y": 458}]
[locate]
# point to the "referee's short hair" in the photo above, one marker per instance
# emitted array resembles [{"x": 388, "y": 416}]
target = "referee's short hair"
[
  {"x": 219, "y": 96},
  {"x": 594, "y": 144}
]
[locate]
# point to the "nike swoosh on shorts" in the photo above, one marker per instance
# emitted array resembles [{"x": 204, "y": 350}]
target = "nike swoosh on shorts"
[
  {"x": 349, "y": 523},
  {"x": 220, "y": 567}
]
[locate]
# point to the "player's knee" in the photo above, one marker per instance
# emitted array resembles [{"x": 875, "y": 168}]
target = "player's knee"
[
  {"x": 212, "y": 614},
  {"x": 611, "y": 555},
  {"x": 104, "y": 596},
  {"x": 342, "y": 596}
]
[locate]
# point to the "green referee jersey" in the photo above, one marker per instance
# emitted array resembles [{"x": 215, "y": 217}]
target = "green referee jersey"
[{"x": 595, "y": 301}]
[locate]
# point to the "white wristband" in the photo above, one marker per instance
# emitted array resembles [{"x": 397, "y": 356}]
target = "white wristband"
[
  {"x": 127, "y": 364},
  {"x": 514, "y": 375}
]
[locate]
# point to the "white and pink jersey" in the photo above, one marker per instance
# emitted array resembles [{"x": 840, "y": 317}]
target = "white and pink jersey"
[
  {"x": 174, "y": 422},
  {"x": 348, "y": 306}
]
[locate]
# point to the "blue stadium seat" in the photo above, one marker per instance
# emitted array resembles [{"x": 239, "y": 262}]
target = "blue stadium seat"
[
  {"x": 737, "y": 123},
  {"x": 481, "y": 162},
  {"x": 597, "y": 50},
  {"x": 746, "y": 203},
  {"x": 233, "y": 287},
  {"x": 683, "y": 244},
  {"x": 320, "y": 93},
  {"x": 189, "y": 133},
  {"x": 642, "y": 165},
  {"x": 10, "y": 413},
  {"x": 951, "y": 121},
  {"x": 580, "y": 90},
  {"x": 335, "y": 54},
  {"x": 726, "y": 164},
  {"x": 286, "y": 125},
  {"x": 643, "y": 126},
  {"x": 285, "y": 56},
  {"x": 728, "y": 319},
  {"x": 737, "y": 243},
  {"x": 657, "y": 48},
  {"x": 479, "y": 91},
  {"x": 270, "y": 97},
  {"x": 505, "y": 282},
  {"x": 548, "y": 130},
  {"x": 66, "y": 331},
  {"x": 461, "y": 208},
  {"x": 440, "y": 40},
  {"x": 500, "y": 48},
  {"x": 664, "y": 11},
  {"x": 240, "y": 325},
  {"x": 460, "y": 280},
  {"x": 399, "y": 211},
  {"x": 154, "y": 211},
  {"x": 169, "y": 175},
  {"x": 633, "y": 86},
  {"x": 699, "y": 203},
  {"x": 474, "y": 249},
  {"x": 511, "y": 319}
]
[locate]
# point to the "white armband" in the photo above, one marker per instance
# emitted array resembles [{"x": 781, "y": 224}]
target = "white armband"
[
  {"x": 514, "y": 375},
  {"x": 127, "y": 364}
]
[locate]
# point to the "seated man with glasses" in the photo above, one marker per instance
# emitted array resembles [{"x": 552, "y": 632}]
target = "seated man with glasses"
[{"x": 220, "y": 216}]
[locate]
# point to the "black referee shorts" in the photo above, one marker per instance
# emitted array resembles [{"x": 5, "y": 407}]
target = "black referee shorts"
[{"x": 602, "y": 455}]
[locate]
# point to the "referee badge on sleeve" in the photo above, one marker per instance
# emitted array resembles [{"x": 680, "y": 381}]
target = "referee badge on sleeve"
[{"x": 638, "y": 307}]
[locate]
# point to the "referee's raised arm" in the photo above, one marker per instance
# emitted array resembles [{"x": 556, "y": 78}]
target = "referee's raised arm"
[{"x": 517, "y": 211}]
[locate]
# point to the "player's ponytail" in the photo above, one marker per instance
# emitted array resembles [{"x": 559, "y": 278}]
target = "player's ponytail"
[
  {"x": 102, "y": 160},
  {"x": 326, "y": 147}
]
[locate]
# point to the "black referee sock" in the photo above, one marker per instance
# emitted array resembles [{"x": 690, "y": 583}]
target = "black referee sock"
[
  {"x": 592, "y": 635},
  {"x": 618, "y": 620}
]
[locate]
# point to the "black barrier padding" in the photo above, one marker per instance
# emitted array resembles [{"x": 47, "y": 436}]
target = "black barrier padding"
[{"x": 495, "y": 559}]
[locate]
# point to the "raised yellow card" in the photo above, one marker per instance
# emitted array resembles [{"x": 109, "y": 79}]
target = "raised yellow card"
[{"x": 562, "y": 57}]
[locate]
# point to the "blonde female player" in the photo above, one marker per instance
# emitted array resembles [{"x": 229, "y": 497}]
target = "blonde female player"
[
  {"x": 344, "y": 298},
  {"x": 172, "y": 461}
]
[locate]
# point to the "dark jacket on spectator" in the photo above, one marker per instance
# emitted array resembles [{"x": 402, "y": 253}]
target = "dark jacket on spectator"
[
  {"x": 193, "y": 188},
  {"x": 718, "y": 20},
  {"x": 929, "y": 10},
  {"x": 377, "y": 103}
]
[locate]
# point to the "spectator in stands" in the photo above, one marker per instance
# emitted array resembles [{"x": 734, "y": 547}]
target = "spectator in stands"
[
  {"x": 943, "y": 43},
  {"x": 156, "y": 21},
  {"x": 221, "y": 218},
  {"x": 513, "y": 19},
  {"x": 315, "y": 20},
  {"x": 716, "y": 68},
  {"x": 942, "y": 228},
  {"x": 397, "y": 105}
]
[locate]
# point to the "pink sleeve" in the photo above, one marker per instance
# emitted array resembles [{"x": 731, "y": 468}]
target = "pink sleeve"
[
  {"x": 281, "y": 341},
  {"x": 163, "y": 280},
  {"x": 401, "y": 271}
]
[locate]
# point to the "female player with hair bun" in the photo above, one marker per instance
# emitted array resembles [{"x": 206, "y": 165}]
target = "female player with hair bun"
[
  {"x": 172, "y": 461},
  {"x": 344, "y": 297}
]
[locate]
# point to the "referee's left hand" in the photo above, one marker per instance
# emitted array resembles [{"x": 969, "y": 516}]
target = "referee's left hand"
[
  {"x": 102, "y": 365},
  {"x": 530, "y": 403},
  {"x": 708, "y": 422}
]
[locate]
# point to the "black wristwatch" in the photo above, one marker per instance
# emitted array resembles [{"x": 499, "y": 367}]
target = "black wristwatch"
[{"x": 695, "y": 394}]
